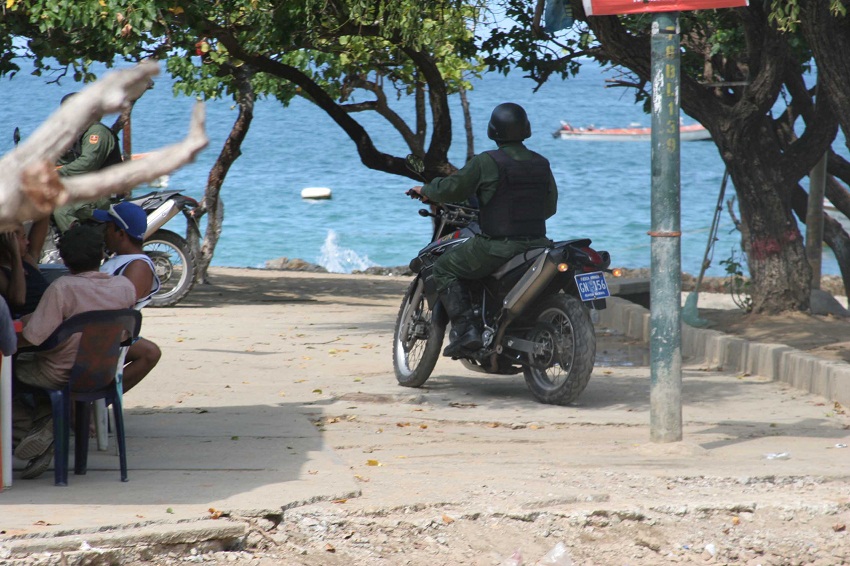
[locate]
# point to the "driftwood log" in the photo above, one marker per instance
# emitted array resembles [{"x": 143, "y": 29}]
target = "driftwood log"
[{"x": 30, "y": 187}]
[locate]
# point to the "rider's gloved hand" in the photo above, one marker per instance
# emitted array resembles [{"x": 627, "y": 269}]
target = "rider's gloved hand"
[{"x": 416, "y": 192}]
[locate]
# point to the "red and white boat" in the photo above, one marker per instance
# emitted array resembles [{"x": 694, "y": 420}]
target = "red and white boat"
[{"x": 693, "y": 132}]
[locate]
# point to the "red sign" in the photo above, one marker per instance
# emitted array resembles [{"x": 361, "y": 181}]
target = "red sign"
[{"x": 614, "y": 7}]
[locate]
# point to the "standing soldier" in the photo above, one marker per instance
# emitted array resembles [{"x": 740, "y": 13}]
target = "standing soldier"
[{"x": 96, "y": 149}]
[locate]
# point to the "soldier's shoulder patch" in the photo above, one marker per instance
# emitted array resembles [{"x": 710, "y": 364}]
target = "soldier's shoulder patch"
[{"x": 94, "y": 138}]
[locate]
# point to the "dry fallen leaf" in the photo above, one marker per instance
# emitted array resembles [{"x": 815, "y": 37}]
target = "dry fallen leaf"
[
  {"x": 339, "y": 500},
  {"x": 214, "y": 514},
  {"x": 493, "y": 425},
  {"x": 448, "y": 520},
  {"x": 318, "y": 391},
  {"x": 329, "y": 547},
  {"x": 401, "y": 425},
  {"x": 736, "y": 521},
  {"x": 361, "y": 478},
  {"x": 423, "y": 426},
  {"x": 373, "y": 463}
]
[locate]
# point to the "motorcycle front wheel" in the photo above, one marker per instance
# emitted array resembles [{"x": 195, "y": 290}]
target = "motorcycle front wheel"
[
  {"x": 174, "y": 264},
  {"x": 560, "y": 368},
  {"x": 417, "y": 339}
]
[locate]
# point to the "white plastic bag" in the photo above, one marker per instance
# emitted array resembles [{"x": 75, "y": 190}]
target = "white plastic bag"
[{"x": 558, "y": 556}]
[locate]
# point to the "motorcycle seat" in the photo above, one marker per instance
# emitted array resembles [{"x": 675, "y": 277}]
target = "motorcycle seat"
[{"x": 516, "y": 261}]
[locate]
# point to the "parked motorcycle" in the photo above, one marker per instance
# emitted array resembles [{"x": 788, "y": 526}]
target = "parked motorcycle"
[
  {"x": 170, "y": 253},
  {"x": 535, "y": 311}
]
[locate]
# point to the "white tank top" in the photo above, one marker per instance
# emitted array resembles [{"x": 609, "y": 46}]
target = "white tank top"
[{"x": 117, "y": 264}]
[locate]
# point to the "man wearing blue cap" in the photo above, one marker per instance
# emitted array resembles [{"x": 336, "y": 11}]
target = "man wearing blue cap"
[{"x": 124, "y": 234}]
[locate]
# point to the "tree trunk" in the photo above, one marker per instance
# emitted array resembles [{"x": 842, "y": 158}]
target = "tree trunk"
[
  {"x": 779, "y": 271},
  {"x": 828, "y": 36},
  {"x": 212, "y": 204},
  {"x": 739, "y": 119},
  {"x": 833, "y": 234}
]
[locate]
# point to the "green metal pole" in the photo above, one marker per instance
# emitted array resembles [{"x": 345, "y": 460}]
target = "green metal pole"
[{"x": 666, "y": 279}]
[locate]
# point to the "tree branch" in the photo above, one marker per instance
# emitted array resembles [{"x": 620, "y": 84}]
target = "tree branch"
[{"x": 30, "y": 187}]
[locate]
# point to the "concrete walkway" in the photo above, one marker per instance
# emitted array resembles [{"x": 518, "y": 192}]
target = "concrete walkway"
[{"x": 233, "y": 420}]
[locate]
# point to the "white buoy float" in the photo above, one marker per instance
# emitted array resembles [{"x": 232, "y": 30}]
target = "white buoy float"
[{"x": 316, "y": 193}]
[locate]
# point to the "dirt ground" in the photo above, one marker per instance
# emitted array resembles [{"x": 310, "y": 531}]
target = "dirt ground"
[
  {"x": 824, "y": 336},
  {"x": 619, "y": 516}
]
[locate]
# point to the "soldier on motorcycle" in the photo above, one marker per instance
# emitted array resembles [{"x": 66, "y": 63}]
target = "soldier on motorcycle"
[{"x": 516, "y": 193}]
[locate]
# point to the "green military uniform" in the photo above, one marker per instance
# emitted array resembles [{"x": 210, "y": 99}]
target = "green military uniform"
[
  {"x": 482, "y": 255},
  {"x": 97, "y": 148}
]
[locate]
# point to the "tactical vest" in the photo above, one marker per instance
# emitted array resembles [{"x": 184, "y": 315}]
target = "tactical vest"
[{"x": 516, "y": 210}]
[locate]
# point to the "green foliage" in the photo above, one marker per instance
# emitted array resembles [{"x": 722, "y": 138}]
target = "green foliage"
[
  {"x": 515, "y": 43},
  {"x": 736, "y": 284},
  {"x": 785, "y": 14}
]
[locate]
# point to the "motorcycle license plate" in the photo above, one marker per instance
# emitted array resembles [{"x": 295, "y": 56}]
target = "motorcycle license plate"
[{"x": 592, "y": 286}]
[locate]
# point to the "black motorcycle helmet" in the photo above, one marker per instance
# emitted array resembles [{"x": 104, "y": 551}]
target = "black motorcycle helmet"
[{"x": 508, "y": 122}]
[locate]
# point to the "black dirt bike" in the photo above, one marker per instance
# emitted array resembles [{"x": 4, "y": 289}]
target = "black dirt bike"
[{"x": 535, "y": 312}]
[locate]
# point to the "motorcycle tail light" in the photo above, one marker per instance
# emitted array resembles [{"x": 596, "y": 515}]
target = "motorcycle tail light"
[
  {"x": 617, "y": 272},
  {"x": 563, "y": 267},
  {"x": 593, "y": 255}
]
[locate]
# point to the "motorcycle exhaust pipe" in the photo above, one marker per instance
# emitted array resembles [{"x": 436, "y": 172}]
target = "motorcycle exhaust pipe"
[
  {"x": 526, "y": 290},
  {"x": 532, "y": 283}
]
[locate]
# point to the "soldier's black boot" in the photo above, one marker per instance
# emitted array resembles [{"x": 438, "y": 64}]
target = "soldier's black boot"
[{"x": 464, "y": 335}]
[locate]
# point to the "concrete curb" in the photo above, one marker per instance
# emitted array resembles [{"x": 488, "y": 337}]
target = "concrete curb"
[
  {"x": 777, "y": 362},
  {"x": 224, "y": 532}
]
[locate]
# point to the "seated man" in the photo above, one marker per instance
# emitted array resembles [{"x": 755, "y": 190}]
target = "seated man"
[
  {"x": 8, "y": 341},
  {"x": 21, "y": 282},
  {"x": 125, "y": 230},
  {"x": 85, "y": 289}
]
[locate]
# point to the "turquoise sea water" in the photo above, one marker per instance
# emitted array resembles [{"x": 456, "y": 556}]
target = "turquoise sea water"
[{"x": 604, "y": 186}]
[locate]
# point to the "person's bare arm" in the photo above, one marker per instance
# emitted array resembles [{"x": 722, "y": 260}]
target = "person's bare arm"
[
  {"x": 37, "y": 235},
  {"x": 13, "y": 287},
  {"x": 139, "y": 273}
]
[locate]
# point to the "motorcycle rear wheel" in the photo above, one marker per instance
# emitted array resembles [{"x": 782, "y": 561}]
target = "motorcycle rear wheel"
[
  {"x": 175, "y": 267},
  {"x": 417, "y": 339},
  {"x": 561, "y": 369}
]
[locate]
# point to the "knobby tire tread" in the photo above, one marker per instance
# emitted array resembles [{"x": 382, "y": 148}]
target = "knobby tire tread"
[
  {"x": 179, "y": 243},
  {"x": 420, "y": 374},
  {"x": 585, "y": 352}
]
